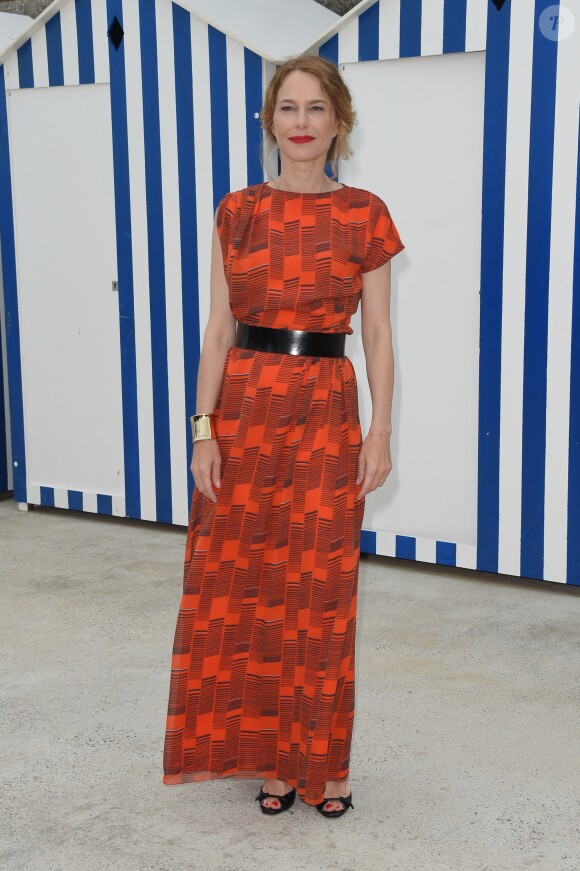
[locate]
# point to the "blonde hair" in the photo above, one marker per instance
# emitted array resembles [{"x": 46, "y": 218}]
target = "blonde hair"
[{"x": 333, "y": 85}]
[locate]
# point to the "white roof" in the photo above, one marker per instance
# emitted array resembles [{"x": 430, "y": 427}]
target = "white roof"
[
  {"x": 275, "y": 29},
  {"x": 11, "y": 26}
]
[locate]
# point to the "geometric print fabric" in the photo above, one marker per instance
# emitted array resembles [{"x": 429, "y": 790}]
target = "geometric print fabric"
[{"x": 263, "y": 661}]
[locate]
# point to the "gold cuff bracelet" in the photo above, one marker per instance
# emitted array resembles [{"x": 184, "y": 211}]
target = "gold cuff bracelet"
[{"x": 203, "y": 427}]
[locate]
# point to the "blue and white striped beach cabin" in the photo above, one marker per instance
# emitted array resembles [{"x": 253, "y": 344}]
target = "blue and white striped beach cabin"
[{"x": 123, "y": 126}]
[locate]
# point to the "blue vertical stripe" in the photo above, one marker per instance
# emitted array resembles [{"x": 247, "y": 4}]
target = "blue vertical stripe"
[
  {"x": 253, "y": 94},
  {"x": 118, "y": 91},
  {"x": 405, "y": 547},
  {"x": 25, "y": 67},
  {"x": 186, "y": 172},
  {"x": 85, "y": 50},
  {"x": 490, "y": 330},
  {"x": 218, "y": 84},
  {"x": 3, "y": 421},
  {"x": 368, "y": 541},
  {"x": 47, "y": 496},
  {"x": 410, "y": 27},
  {"x": 454, "y": 25},
  {"x": 54, "y": 51},
  {"x": 156, "y": 258},
  {"x": 75, "y": 500},
  {"x": 545, "y": 57},
  {"x": 573, "y": 557},
  {"x": 368, "y": 33},
  {"x": 329, "y": 49},
  {"x": 11, "y": 305},
  {"x": 104, "y": 504},
  {"x": 446, "y": 553}
]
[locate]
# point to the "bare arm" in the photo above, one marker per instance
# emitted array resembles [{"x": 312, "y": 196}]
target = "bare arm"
[
  {"x": 374, "y": 462},
  {"x": 378, "y": 344},
  {"x": 219, "y": 335},
  {"x": 218, "y": 338}
]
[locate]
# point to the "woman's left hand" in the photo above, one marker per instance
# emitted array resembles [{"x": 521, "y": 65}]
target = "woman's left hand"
[{"x": 374, "y": 462}]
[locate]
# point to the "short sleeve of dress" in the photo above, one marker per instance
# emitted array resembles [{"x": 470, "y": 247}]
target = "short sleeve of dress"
[
  {"x": 383, "y": 240},
  {"x": 224, "y": 217}
]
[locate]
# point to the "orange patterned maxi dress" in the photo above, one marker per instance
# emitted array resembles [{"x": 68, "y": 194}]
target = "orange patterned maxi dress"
[{"x": 263, "y": 661}]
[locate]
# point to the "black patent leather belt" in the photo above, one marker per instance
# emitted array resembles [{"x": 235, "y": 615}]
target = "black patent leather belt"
[{"x": 282, "y": 341}]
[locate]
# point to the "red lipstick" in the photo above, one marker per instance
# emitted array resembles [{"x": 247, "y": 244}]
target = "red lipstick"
[{"x": 301, "y": 138}]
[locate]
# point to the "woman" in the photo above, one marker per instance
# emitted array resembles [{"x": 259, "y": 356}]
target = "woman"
[{"x": 262, "y": 671}]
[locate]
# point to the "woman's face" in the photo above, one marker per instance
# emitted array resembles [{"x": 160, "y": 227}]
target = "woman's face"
[{"x": 304, "y": 118}]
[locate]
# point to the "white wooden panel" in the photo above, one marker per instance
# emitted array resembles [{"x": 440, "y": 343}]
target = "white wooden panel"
[
  {"x": 389, "y": 30},
  {"x": 237, "y": 115},
  {"x": 432, "y": 27},
  {"x": 140, "y": 260},
  {"x": 39, "y": 58},
  {"x": 172, "y": 263},
  {"x": 202, "y": 133},
  {"x": 70, "y": 52},
  {"x": 100, "y": 42},
  {"x": 564, "y": 199},
  {"x": 514, "y": 294}
]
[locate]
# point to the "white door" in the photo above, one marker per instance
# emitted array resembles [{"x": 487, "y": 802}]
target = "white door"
[
  {"x": 62, "y": 177},
  {"x": 419, "y": 145}
]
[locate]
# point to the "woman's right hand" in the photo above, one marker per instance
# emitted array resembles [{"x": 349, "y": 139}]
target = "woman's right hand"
[{"x": 205, "y": 466}]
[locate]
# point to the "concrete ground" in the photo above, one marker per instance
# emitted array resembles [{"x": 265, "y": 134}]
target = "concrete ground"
[{"x": 466, "y": 745}]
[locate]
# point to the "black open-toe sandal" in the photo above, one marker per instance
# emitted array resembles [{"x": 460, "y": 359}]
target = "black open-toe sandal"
[
  {"x": 286, "y": 801},
  {"x": 346, "y": 802}
]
